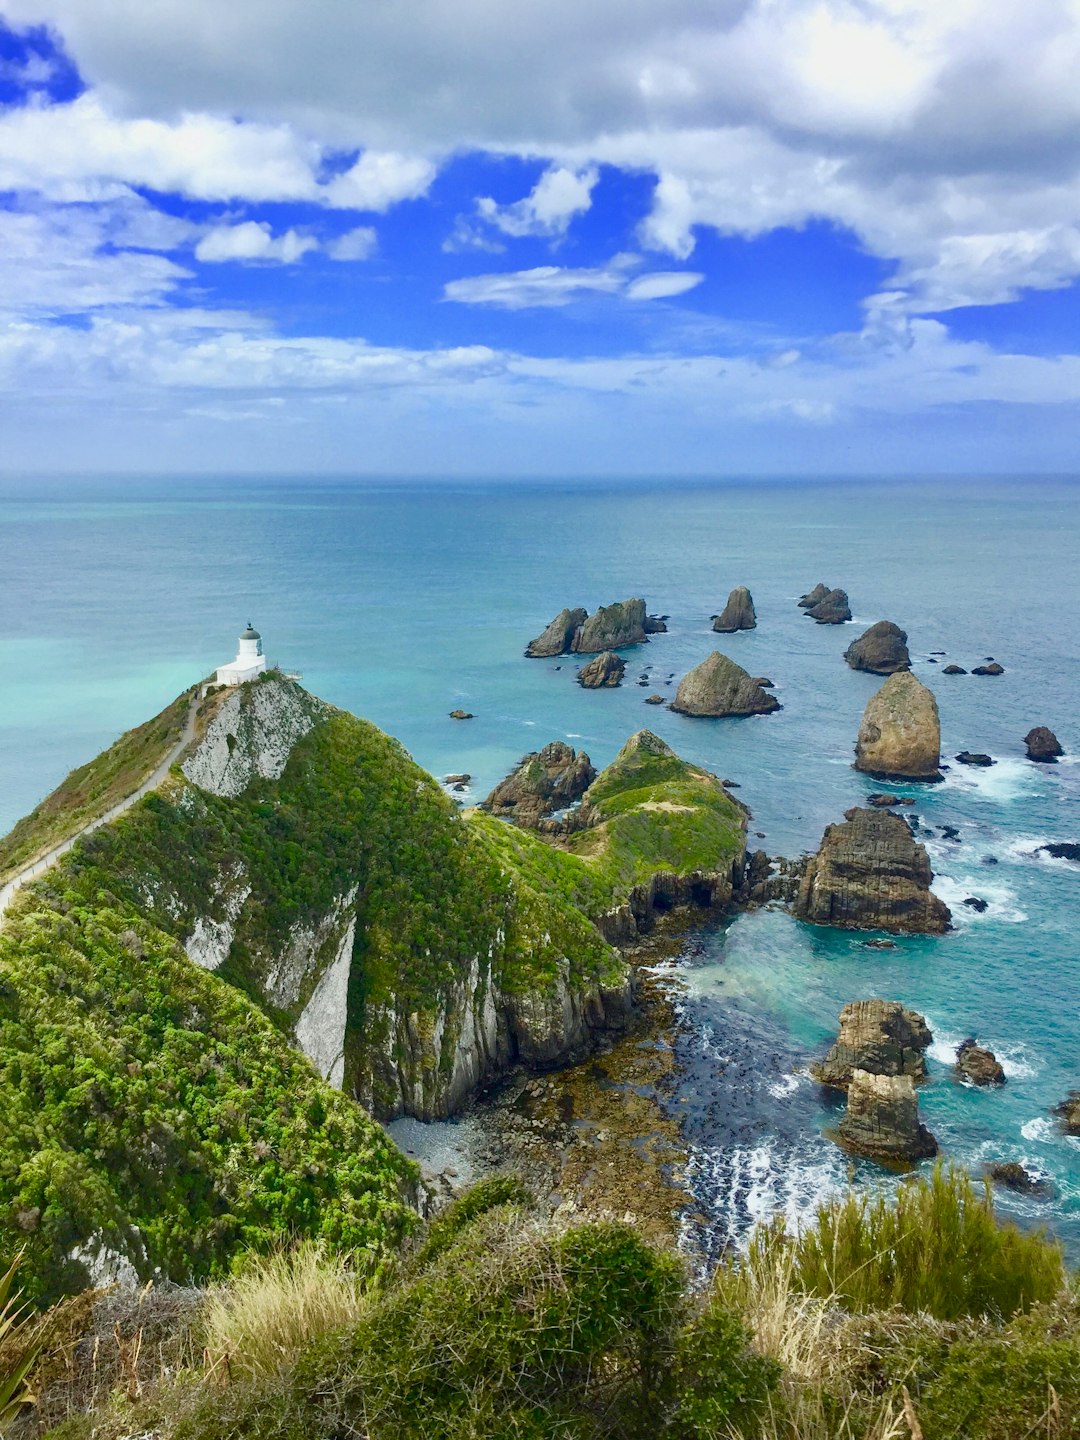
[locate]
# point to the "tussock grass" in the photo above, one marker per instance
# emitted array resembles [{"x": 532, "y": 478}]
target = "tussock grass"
[
  {"x": 262, "y": 1318},
  {"x": 934, "y": 1247}
]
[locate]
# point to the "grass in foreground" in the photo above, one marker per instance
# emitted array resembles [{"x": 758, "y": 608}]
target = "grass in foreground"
[{"x": 499, "y": 1325}]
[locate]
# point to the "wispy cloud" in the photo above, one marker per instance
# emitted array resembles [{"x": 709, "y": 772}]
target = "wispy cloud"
[{"x": 553, "y": 285}]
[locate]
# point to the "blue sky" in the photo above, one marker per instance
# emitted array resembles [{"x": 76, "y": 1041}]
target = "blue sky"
[{"x": 452, "y": 236}]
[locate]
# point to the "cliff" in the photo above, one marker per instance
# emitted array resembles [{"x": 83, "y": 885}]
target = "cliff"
[{"x": 298, "y": 880}]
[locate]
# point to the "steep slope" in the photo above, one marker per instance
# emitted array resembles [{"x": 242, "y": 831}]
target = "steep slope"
[{"x": 298, "y": 881}]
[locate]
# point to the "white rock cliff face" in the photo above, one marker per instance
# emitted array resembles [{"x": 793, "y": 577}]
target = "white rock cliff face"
[
  {"x": 321, "y": 1029},
  {"x": 253, "y": 733}
]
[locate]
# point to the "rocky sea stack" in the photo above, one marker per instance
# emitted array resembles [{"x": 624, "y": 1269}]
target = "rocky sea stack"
[
  {"x": 559, "y": 635},
  {"x": 606, "y": 670},
  {"x": 737, "y": 614},
  {"x": 900, "y": 734},
  {"x": 815, "y": 596},
  {"x": 546, "y": 780},
  {"x": 977, "y": 1064},
  {"x": 878, "y": 1036},
  {"x": 831, "y": 609},
  {"x": 882, "y": 1120},
  {"x": 882, "y": 650},
  {"x": 1043, "y": 745},
  {"x": 871, "y": 874},
  {"x": 719, "y": 687}
]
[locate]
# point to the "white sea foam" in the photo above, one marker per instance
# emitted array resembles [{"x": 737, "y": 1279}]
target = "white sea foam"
[
  {"x": 1003, "y": 781},
  {"x": 1000, "y": 900},
  {"x": 945, "y": 1043},
  {"x": 1013, "y": 1062},
  {"x": 786, "y": 1085},
  {"x": 1039, "y": 1129},
  {"x": 1029, "y": 847}
]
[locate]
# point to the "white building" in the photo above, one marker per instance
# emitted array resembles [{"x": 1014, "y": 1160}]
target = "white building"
[{"x": 250, "y": 660}]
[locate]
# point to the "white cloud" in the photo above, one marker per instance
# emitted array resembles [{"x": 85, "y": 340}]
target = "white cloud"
[
  {"x": 912, "y": 122},
  {"x": 553, "y": 285},
  {"x": 557, "y": 197},
  {"x": 357, "y": 244},
  {"x": 253, "y": 241},
  {"x": 662, "y": 284},
  {"x": 66, "y": 261},
  {"x": 379, "y": 180}
]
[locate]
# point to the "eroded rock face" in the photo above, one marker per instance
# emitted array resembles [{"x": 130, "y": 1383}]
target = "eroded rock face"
[
  {"x": 252, "y": 733},
  {"x": 992, "y": 669},
  {"x": 559, "y": 635},
  {"x": 900, "y": 734},
  {"x": 977, "y": 1064},
  {"x": 612, "y": 627},
  {"x": 606, "y": 670},
  {"x": 737, "y": 614},
  {"x": 882, "y": 1119},
  {"x": 1043, "y": 745},
  {"x": 719, "y": 687},
  {"x": 877, "y": 1036},
  {"x": 871, "y": 874},
  {"x": 953, "y": 670},
  {"x": 545, "y": 781},
  {"x": 831, "y": 609},
  {"x": 882, "y": 650},
  {"x": 656, "y": 624}
]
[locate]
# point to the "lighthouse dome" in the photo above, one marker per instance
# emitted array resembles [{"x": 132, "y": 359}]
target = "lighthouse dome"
[{"x": 250, "y": 633}]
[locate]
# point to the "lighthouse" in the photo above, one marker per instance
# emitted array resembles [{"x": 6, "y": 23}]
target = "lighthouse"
[{"x": 250, "y": 660}]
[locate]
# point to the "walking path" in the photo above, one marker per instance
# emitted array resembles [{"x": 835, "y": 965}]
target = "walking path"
[{"x": 42, "y": 864}]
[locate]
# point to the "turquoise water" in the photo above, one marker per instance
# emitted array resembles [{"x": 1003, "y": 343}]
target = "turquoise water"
[{"x": 404, "y": 601}]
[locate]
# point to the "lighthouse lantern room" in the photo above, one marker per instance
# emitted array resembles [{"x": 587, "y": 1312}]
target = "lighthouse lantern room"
[{"x": 250, "y": 660}]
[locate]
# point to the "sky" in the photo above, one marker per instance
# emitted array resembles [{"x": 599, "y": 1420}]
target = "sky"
[{"x": 466, "y": 237}]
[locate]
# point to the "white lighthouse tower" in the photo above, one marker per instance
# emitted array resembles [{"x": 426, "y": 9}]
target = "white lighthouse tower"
[{"x": 250, "y": 660}]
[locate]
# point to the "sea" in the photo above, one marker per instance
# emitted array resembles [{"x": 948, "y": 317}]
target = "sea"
[{"x": 405, "y": 600}]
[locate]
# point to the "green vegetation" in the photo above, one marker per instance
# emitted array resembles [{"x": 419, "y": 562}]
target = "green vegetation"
[
  {"x": 653, "y": 813},
  {"x": 935, "y": 1247},
  {"x": 94, "y": 789},
  {"x": 500, "y": 1325},
  {"x": 152, "y": 1112}
]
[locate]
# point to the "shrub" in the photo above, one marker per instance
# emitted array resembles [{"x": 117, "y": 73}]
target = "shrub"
[
  {"x": 1020, "y": 1380},
  {"x": 935, "y": 1247},
  {"x": 717, "y": 1381},
  {"x": 485, "y": 1195},
  {"x": 515, "y": 1332}
]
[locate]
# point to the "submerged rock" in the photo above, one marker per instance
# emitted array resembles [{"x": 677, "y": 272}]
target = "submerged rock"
[
  {"x": 831, "y": 609},
  {"x": 815, "y": 596},
  {"x": 737, "y": 614},
  {"x": 654, "y": 699},
  {"x": 882, "y": 650},
  {"x": 1011, "y": 1175},
  {"x": 1061, "y": 850},
  {"x": 953, "y": 670},
  {"x": 546, "y": 780},
  {"x": 870, "y": 873},
  {"x": 974, "y": 757},
  {"x": 559, "y": 635},
  {"x": 900, "y": 734},
  {"x": 1043, "y": 745},
  {"x": 606, "y": 670},
  {"x": 888, "y": 802},
  {"x": 719, "y": 687},
  {"x": 973, "y": 902},
  {"x": 992, "y": 669},
  {"x": 882, "y": 1119},
  {"x": 462, "y": 715},
  {"x": 877, "y": 1036},
  {"x": 612, "y": 627},
  {"x": 977, "y": 1064}
]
